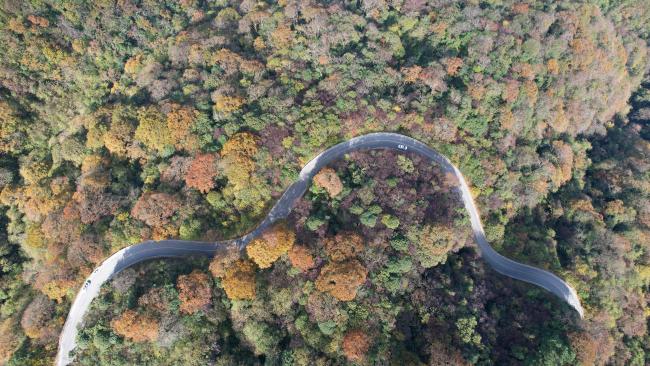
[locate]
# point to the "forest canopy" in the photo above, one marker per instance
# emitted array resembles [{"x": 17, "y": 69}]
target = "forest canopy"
[{"x": 125, "y": 121}]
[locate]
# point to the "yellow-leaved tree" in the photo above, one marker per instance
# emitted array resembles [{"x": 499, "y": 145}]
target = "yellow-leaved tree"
[
  {"x": 152, "y": 130},
  {"x": 239, "y": 280},
  {"x": 245, "y": 189},
  {"x": 267, "y": 248}
]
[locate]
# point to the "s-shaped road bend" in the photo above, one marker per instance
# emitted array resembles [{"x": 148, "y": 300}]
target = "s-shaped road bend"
[{"x": 129, "y": 256}]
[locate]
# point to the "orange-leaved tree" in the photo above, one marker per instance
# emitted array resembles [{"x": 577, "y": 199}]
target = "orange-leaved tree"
[
  {"x": 355, "y": 345},
  {"x": 301, "y": 258},
  {"x": 344, "y": 245},
  {"x": 342, "y": 279},
  {"x": 180, "y": 120},
  {"x": 194, "y": 292},
  {"x": 155, "y": 209},
  {"x": 329, "y": 180},
  {"x": 137, "y": 327},
  {"x": 200, "y": 175}
]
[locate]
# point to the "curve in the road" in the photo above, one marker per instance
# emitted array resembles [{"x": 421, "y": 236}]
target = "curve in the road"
[{"x": 178, "y": 248}]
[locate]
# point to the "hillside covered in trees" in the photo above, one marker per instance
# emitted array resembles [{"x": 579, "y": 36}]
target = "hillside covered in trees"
[{"x": 124, "y": 121}]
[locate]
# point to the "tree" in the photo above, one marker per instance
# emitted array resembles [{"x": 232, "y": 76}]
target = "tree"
[
  {"x": 56, "y": 280},
  {"x": 272, "y": 244},
  {"x": 433, "y": 243},
  {"x": 155, "y": 300},
  {"x": 174, "y": 174},
  {"x": 91, "y": 204},
  {"x": 11, "y": 130},
  {"x": 86, "y": 251},
  {"x": 453, "y": 64},
  {"x": 327, "y": 179},
  {"x": 467, "y": 330},
  {"x": 9, "y": 338},
  {"x": 344, "y": 245},
  {"x": 120, "y": 134},
  {"x": 137, "y": 327},
  {"x": 227, "y": 104},
  {"x": 194, "y": 292},
  {"x": 301, "y": 258},
  {"x": 553, "y": 351},
  {"x": 586, "y": 348},
  {"x": 263, "y": 338},
  {"x": 443, "y": 354},
  {"x": 180, "y": 121},
  {"x": 239, "y": 280},
  {"x": 355, "y": 345},
  {"x": 240, "y": 145},
  {"x": 152, "y": 130},
  {"x": 155, "y": 209},
  {"x": 342, "y": 279},
  {"x": 200, "y": 175},
  {"x": 223, "y": 259},
  {"x": 246, "y": 189},
  {"x": 390, "y": 221},
  {"x": 565, "y": 159},
  {"x": 37, "y": 320}
]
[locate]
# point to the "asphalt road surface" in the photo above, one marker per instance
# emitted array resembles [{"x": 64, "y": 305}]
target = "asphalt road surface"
[{"x": 181, "y": 248}]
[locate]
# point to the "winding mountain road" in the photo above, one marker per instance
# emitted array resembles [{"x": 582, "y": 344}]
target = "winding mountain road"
[{"x": 180, "y": 248}]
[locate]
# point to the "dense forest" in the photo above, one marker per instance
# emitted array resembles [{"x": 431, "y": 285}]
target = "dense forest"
[{"x": 124, "y": 121}]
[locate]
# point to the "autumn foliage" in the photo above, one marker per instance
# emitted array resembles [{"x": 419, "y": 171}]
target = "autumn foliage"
[
  {"x": 194, "y": 292},
  {"x": 267, "y": 248},
  {"x": 115, "y": 115},
  {"x": 119, "y": 136},
  {"x": 201, "y": 172},
  {"x": 155, "y": 209},
  {"x": 329, "y": 180},
  {"x": 227, "y": 104},
  {"x": 344, "y": 274},
  {"x": 137, "y": 327},
  {"x": 154, "y": 300},
  {"x": 342, "y": 279},
  {"x": 152, "y": 129},
  {"x": 8, "y": 340},
  {"x": 344, "y": 245},
  {"x": 355, "y": 345},
  {"x": 237, "y": 162},
  {"x": 240, "y": 145},
  {"x": 37, "y": 320},
  {"x": 301, "y": 258},
  {"x": 239, "y": 281},
  {"x": 592, "y": 347},
  {"x": 443, "y": 354},
  {"x": 223, "y": 259},
  {"x": 180, "y": 121}
]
